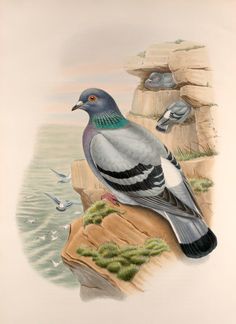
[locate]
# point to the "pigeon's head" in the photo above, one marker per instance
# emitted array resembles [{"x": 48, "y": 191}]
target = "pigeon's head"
[{"x": 95, "y": 101}]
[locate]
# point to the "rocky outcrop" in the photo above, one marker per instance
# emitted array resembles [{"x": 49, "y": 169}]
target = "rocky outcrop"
[
  {"x": 133, "y": 226},
  {"x": 190, "y": 67}
]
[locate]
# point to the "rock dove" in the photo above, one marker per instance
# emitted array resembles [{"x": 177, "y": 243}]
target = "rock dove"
[
  {"x": 139, "y": 170},
  {"x": 62, "y": 177},
  {"x": 176, "y": 113},
  {"x": 157, "y": 81},
  {"x": 62, "y": 205}
]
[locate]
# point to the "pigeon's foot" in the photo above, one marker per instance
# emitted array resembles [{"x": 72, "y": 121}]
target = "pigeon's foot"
[{"x": 110, "y": 197}]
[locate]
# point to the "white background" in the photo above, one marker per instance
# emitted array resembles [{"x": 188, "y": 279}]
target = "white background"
[{"x": 39, "y": 39}]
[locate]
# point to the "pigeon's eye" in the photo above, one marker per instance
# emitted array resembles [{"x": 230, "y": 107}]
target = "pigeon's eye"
[{"x": 92, "y": 98}]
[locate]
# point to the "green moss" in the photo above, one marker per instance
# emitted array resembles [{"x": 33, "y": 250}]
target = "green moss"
[
  {"x": 128, "y": 254},
  {"x": 109, "y": 246},
  {"x": 186, "y": 155},
  {"x": 102, "y": 262},
  {"x": 200, "y": 184},
  {"x": 143, "y": 251},
  {"x": 139, "y": 259},
  {"x": 126, "y": 260},
  {"x": 96, "y": 213},
  {"x": 158, "y": 251},
  {"x": 87, "y": 252},
  {"x": 127, "y": 248},
  {"x": 114, "y": 267},
  {"x": 122, "y": 260},
  {"x": 127, "y": 273}
]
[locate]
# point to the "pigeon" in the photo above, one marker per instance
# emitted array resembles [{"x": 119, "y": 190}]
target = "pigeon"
[
  {"x": 54, "y": 238},
  {"x": 62, "y": 205},
  {"x": 158, "y": 81},
  {"x": 176, "y": 113},
  {"x": 140, "y": 171},
  {"x": 62, "y": 177}
]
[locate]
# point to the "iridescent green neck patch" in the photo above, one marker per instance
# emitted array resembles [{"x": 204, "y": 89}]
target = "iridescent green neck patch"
[{"x": 109, "y": 120}]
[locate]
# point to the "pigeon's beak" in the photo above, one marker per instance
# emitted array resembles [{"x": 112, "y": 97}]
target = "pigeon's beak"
[{"x": 78, "y": 105}]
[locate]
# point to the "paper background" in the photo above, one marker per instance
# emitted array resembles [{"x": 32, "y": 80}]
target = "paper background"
[{"x": 39, "y": 40}]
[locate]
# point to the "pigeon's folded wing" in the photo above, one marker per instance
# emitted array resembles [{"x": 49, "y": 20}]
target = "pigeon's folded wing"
[
  {"x": 193, "y": 202},
  {"x": 131, "y": 164}
]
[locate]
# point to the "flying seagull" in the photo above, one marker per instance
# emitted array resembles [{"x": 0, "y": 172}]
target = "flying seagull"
[
  {"x": 62, "y": 178},
  {"x": 62, "y": 205},
  {"x": 31, "y": 221},
  {"x": 66, "y": 226},
  {"x": 176, "y": 113},
  {"x": 139, "y": 170},
  {"x": 42, "y": 238},
  {"x": 55, "y": 264}
]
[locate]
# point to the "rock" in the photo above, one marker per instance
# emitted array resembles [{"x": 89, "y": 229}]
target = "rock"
[
  {"x": 205, "y": 126},
  {"x": 85, "y": 185},
  {"x": 153, "y": 103},
  {"x": 93, "y": 285},
  {"x": 197, "y": 96},
  {"x": 189, "y": 59},
  {"x": 157, "y": 58},
  {"x": 193, "y": 76},
  {"x": 199, "y": 168},
  {"x": 133, "y": 226}
]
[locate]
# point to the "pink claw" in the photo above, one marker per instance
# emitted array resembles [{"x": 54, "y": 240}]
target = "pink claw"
[{"x": 110, "y": 197}]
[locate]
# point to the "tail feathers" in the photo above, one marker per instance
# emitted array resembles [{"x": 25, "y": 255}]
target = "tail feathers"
[
  {"x": 200, "y": 247},
  {"x": 195, "y": 238}
]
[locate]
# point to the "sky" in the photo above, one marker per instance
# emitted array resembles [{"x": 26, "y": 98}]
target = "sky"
[{"x": 52, "y": 51}]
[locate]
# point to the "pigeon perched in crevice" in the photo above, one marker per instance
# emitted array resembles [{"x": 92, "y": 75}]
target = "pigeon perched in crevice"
[
  {"x": 176, "y": 113},
  {"x": 139, "y": 170},
  {"x": 160, "y": 81}
]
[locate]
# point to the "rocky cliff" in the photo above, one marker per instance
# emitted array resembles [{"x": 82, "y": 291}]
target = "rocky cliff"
[{"x": 194, "y": 144}]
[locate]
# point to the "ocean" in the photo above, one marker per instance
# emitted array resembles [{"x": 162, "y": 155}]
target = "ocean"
[{"x": 43, "y": 229}]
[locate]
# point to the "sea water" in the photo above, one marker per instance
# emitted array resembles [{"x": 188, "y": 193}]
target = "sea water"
[{"x": 43, "y": 229}]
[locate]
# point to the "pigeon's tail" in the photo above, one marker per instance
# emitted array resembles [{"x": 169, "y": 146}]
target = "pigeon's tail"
[{"x": 195, "y": 238}]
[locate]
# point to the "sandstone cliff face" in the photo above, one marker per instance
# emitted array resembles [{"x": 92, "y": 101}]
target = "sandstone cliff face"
[
  {"x": 133, "y": 226},
  {"x": 189, "y": 65}
]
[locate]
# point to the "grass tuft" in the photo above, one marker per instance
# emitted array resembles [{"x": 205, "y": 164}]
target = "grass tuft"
[
  {"x": 186, "y": 155},
  {"x": 96, "y": 213},
  {"x": 126, "y": 260},
  {"x": 200, "y": 184}
]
